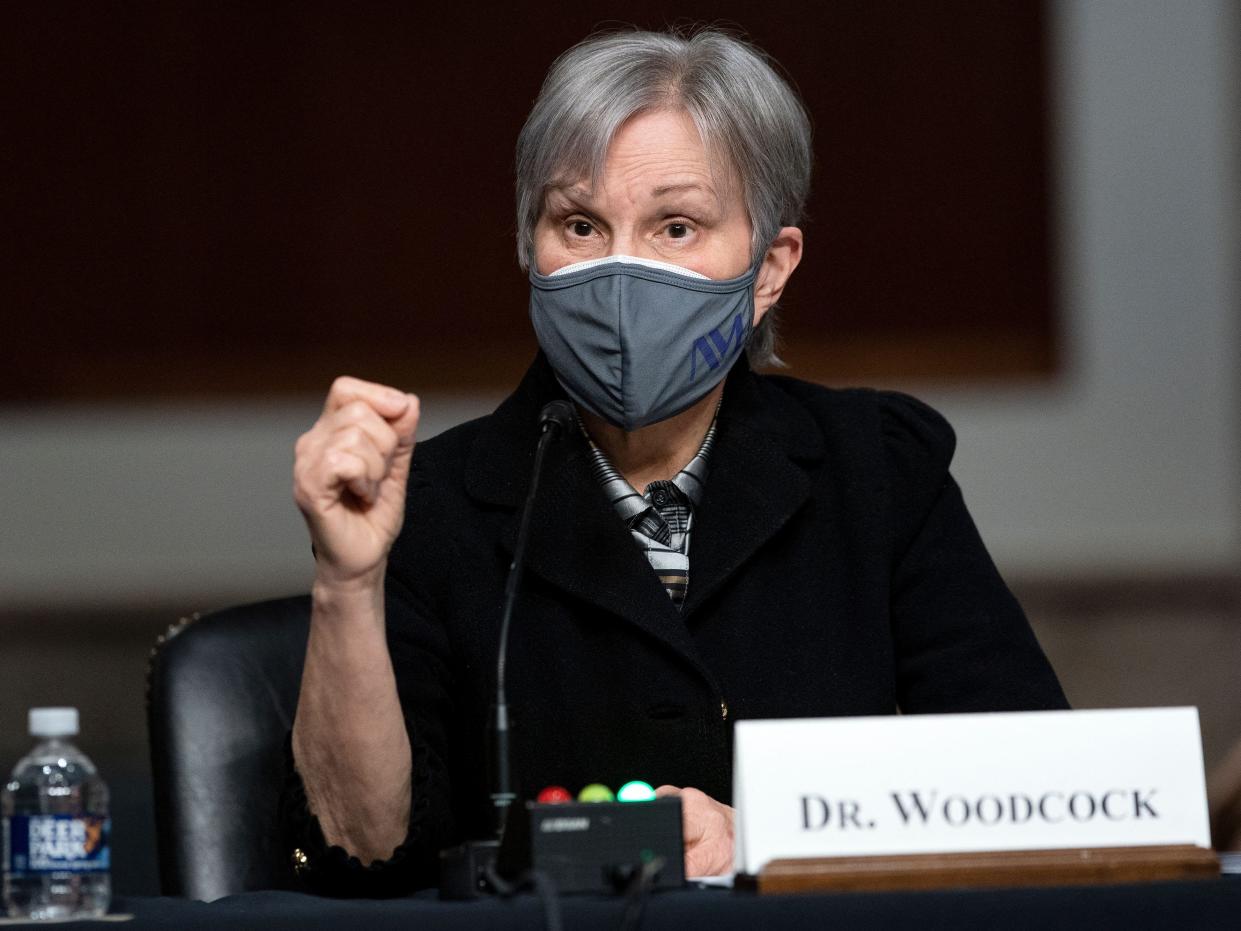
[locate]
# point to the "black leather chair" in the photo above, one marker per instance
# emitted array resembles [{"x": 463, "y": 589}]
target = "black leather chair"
[{"x": 221, "y": 694}]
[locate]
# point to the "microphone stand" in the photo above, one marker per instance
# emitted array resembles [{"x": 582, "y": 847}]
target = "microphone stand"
[
  {"x": 555, "y": 418},
  {"x": 599, "y": 860},
  {"x": 463, "y": 868}
]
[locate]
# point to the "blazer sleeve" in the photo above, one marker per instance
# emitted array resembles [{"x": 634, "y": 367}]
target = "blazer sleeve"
[
  {"x": 962, "y": 642},
  {"x": 418, "y": 646}
]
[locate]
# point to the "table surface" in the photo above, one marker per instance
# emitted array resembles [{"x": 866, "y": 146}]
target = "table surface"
[{"x": 1212, "y": 903}]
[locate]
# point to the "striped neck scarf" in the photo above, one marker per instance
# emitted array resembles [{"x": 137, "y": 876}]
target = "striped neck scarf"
[{"x": 659, "y": 520}]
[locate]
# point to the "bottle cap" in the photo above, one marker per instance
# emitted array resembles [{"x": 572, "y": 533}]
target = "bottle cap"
[{"x": 53, "y": 722}]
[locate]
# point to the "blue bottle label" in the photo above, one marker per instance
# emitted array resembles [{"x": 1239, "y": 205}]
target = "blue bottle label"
[{"x": 38, "y": 844}]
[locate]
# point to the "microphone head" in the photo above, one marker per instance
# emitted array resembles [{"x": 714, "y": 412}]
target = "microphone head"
[{"x": 559, "y": 414}]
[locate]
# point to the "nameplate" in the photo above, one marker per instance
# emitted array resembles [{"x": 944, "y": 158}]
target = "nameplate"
[{"x": 967, "y": 782}]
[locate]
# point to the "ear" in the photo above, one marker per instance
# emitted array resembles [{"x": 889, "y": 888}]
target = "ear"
[{"x": 778, "y": 265}]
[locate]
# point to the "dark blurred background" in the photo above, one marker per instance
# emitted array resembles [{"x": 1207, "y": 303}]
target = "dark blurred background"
[
  {"x": 267, "y": 192},
  {"x": 1025, "y": 212}
]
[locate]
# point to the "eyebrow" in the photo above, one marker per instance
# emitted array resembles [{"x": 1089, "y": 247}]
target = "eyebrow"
[{"x": 575, "y": 192}]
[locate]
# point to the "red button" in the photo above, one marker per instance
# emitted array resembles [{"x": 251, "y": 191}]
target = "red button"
[{"x": 554, "y": 795}]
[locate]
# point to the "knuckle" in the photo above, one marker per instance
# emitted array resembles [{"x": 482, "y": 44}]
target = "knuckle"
[
  {"x": 387, "y": 440},
  {"x": 303, "y": 470},
  {"x": 339, "y": 461},
  {"x": 303, "y": 495},
  {"x": 356, "y": 410}
]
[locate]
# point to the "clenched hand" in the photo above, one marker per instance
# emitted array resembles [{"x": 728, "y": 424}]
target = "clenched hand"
[{"x": 349, "y": 478}]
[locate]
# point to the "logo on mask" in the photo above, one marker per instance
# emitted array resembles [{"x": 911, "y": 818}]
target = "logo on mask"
[{"x": 715, "y": 347}]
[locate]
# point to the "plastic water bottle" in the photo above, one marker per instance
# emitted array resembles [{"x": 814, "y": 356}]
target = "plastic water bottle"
[{"x": 55, "y": 826}]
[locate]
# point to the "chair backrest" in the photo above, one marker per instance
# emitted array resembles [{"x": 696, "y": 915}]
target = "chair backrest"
[
  {"x": 221, "y": 694},
  {"x": 1224, "y": 792}
]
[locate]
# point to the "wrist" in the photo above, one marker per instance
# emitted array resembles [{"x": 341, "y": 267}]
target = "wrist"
[{"x": 334, "y": 595}]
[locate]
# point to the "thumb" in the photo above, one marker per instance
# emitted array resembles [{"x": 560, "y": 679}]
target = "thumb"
[{"x": 406, "y": 425}]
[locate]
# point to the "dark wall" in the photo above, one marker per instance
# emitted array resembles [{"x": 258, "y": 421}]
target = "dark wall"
[{"x": 209, "y": 197}]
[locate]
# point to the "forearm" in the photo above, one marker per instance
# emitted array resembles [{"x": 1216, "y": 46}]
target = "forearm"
[{"x": 349, "y": 738}]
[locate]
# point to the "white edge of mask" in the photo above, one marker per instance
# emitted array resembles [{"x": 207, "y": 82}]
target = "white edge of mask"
[{"x": 628, "y": 260}]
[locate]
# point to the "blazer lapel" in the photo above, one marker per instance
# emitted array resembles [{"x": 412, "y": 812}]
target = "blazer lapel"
[
  {"x": 577, "y": 543},
  {"x": 756, "y": 483}
]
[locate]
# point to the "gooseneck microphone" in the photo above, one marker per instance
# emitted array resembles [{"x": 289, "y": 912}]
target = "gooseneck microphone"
[
  {"x": 555, "y": 419},
  {"x": 622, "y": 845}
]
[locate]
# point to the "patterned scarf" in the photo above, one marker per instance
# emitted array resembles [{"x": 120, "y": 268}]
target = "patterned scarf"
[{"x": 659, "y": 520}]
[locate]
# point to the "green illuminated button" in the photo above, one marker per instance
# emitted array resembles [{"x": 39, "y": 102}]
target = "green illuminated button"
[
  {"x": 636, "y": 791},
  {"x": 595, "y": 793}
]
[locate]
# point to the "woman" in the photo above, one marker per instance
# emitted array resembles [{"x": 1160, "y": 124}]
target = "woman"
[{"x": 833, "y": 568}]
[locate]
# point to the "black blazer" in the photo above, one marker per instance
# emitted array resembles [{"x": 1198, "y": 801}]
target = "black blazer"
[{"x": 833, "y": 570}]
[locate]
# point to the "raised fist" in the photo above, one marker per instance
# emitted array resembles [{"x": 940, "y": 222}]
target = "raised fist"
[{"x": 349, "y": 476}]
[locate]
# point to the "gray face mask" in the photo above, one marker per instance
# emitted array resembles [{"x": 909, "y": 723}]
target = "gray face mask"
[{"x": 637, "y": 341}]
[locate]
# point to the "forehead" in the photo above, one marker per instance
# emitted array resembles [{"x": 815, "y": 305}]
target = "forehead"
[
  {"x": 662, "y": 137},
  {"x": 655, "y": 154}
]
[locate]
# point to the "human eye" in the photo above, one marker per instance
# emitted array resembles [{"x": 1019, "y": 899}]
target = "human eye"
[
  {"x": 579, "y": 228},
  {"x": 679, "y": 231}
]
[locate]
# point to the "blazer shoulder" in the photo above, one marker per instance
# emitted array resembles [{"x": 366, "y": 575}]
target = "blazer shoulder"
[
  {"x": 443, "y": 456},
  {"x": 435, "y": 494},
  {"x": 906, "y": 433}
]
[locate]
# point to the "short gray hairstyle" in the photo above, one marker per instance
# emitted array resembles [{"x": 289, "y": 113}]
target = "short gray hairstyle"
[{"x": 745, "y": 112}]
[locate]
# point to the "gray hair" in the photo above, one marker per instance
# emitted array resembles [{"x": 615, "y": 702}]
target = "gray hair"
[{"x": 748, "y": 117}]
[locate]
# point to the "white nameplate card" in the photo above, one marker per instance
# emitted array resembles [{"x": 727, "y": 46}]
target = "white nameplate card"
[{"x": 949, "y": 783}]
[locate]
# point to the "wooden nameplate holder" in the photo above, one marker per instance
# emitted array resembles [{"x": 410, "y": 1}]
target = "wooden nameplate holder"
[{"x": 1084, "y": 866}]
